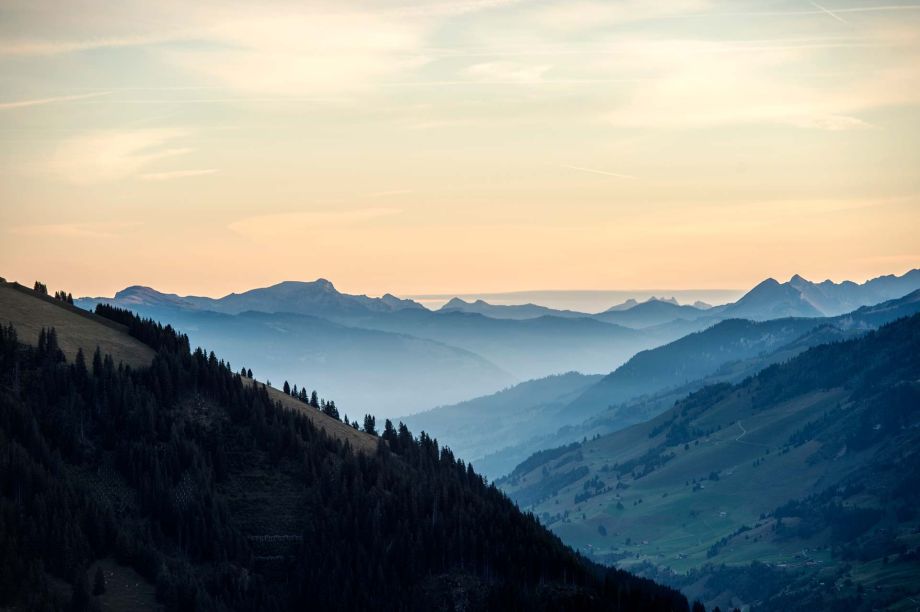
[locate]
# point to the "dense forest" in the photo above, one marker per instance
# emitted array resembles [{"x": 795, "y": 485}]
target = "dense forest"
[{"x": 150, "y": 467}]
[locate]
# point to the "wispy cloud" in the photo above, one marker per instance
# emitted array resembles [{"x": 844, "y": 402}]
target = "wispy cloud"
[
  {"x": 698, "y": 84},
  {"x": 601, "y": 172},
  {"x": 176, "y": 174},
  {"x": 304, "y": 52},
  {"x": 51, "y": 100},
  {"x": 58, "y": 47},
  {"x": 98, "y": 157},
  {"x": 74, "y": 230}
]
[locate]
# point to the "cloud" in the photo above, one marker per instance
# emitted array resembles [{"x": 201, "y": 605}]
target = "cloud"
[
  {"x": 273, "y": 226},
  {"x": 42, "y": 101},
  {"x": 303, "y": 52},
  {"x": 176, "y": 174},
  {"x": 699, "y": 84},
  {"x": 104, "y": 156},
  {"x": 603, "y": 172},
  {"x": 577, "y": 15},
  {"x": 58, "y": 47},
  {"x": 74, "y": 230},
  {"x": 265, "y": 48}
]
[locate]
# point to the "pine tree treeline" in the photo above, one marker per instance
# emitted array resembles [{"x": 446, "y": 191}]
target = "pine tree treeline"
[
  {"x": 42, "y": 289},
  {"x": 396, "y": 530},
  {"x": 313, "y": 400}
]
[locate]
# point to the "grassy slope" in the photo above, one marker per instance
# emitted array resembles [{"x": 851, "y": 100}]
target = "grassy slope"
[
  {"x": 76, "y": 328},
  {"x": 29, "y": 312},
  {"x": 744, "y": 491},
  {"x": 337, "y": 429}
]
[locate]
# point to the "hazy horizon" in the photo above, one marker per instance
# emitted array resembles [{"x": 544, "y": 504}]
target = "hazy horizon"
[{"x": 583, "y": 300}]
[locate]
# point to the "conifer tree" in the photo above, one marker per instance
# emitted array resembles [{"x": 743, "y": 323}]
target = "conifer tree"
[{"x": 370, "y": 424}]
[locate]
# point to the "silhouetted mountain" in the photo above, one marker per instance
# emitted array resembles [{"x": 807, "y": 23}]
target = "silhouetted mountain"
[
  {"x": 771, "y": 300},
  {"x": 801, "y": 298},
  {"x": 760, "y": 491},
  {"x": 197, "y": 488},
  {"x": 623, "y": 306},
  {"x": 318, "y": 298},
  {"x": 517, "y": 311},
  {"x": 652, "y": 312}
]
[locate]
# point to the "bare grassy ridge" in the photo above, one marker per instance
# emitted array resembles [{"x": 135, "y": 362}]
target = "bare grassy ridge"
[
  {"x": 76, "y": 328},
  {"x": 29, "y": 312},
  {"x": 359, "y": 440}
]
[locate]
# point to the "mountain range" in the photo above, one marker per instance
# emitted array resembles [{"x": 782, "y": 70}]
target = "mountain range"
[
  {"x": 769, "y": 299},
  {"x": 649, "y": 383},
  {"x": 405, "y": 358},
  {"x": 317, "y": 298},
  {"x": 802, "y": 298}
]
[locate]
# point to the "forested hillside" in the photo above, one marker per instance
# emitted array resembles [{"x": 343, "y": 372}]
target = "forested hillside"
[{"x": 218, "y": 497}]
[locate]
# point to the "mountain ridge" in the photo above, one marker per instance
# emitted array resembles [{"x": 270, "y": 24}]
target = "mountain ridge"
[{"x": 685, "y": 496}]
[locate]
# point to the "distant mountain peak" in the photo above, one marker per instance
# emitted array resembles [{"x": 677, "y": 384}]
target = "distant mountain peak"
[
  {"x": 135, "y": 290},
  {"x": 765, "y": 283},
  {"x": 623, "y": 306},
  {"x": 141, "y": 294},
  {"x": 666, "y": 300}
]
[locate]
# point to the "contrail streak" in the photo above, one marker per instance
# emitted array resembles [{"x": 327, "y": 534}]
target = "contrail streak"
[
  {"x": 834, "y": 15},
  {"x": 604, "y": 172},
  {"x": 40, "y": 101}
]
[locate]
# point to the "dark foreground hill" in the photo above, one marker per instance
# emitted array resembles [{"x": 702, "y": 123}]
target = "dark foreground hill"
[
  {"x": 795, "y": 489},
  {"x": 196, "y": 486}
]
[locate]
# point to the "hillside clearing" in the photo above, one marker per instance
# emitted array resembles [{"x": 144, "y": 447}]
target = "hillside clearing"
[{"x": 29, "y": 312}]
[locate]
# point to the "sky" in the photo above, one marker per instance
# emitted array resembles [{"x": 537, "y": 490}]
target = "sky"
[{"x": 432, "y": 147}]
